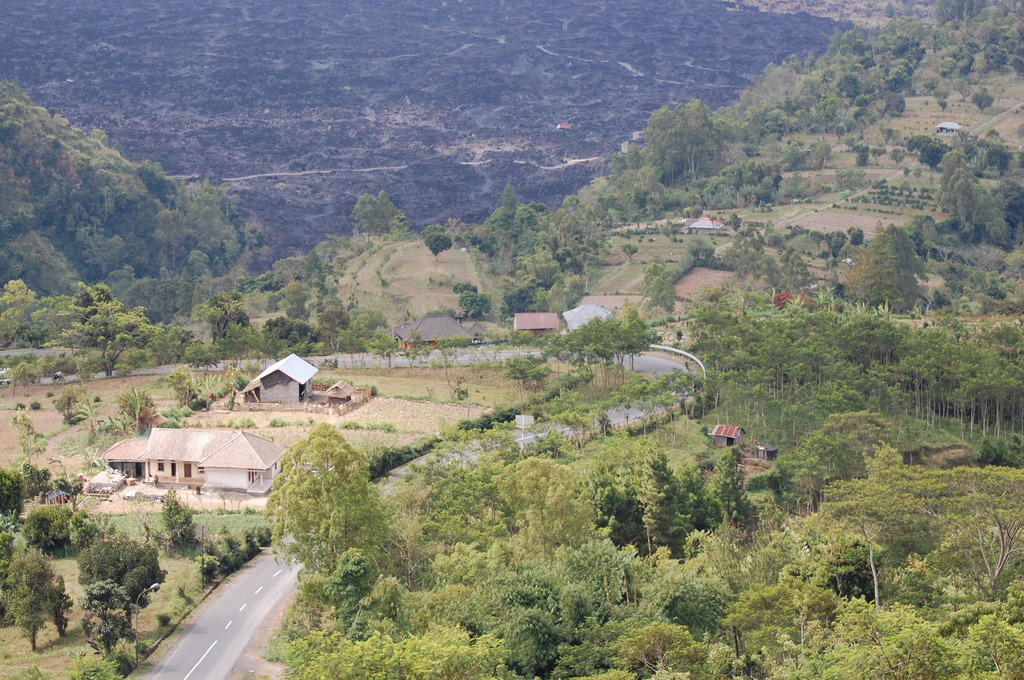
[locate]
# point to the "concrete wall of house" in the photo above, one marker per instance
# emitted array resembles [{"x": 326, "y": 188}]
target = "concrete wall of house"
[
  {"x": 227, "y": 479},
  {"x": 280, "y": 389},
  {"x": 175, "y": 471}
]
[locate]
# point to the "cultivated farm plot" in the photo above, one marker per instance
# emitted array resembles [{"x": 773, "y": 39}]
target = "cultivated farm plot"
[
  {"x": 371, "y": 424},
  {"x": 486, "y": 383},
  {"x": 49, "y": 422},
  {"x": 827, "y": 221},
  {"x": 689, "y": 285},
  {"x": 622, "y": 276},
  {"x": 612, "y": 302},
  {"x": 404, "y": 281}
]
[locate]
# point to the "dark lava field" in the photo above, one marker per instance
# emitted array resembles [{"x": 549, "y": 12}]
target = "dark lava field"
[{"x": 303, "y": 106}]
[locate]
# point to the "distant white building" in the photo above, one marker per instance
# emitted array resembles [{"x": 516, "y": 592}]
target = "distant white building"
[
  {"x": 948, "y": 128},
  {"x": 704, "y": 225},
  {"x": 580, "y": 316}
]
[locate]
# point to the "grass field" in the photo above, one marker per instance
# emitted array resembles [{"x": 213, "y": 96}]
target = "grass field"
[
  {"x": 404, "y": 281},
  {"x": 177, "y": 596}
]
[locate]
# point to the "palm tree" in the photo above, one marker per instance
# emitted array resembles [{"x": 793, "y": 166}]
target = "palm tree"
[
  {"x": 89, "y": 411},
  {"x": 136, "y": 410}
]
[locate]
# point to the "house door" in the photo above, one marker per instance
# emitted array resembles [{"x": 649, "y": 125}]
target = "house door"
[
  {"x": 254, "y": 476},
  {"x": 174, "y": 469},
  {"x": 188, "y": 469}
]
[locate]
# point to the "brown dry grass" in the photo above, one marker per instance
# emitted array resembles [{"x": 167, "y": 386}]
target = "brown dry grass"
[
  {"x": 612, "y": 302},
  {"x": 412, "y": 420},
  {"x": 49, "y": 422},
  {"x": 688, "y": 286},
  {"x": 404, "y": 280}
]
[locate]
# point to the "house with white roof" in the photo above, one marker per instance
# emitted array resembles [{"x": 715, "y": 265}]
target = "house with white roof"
[
  {"x": 580, "y": 316},
  {"x": 704, "y": 225},
  {"x": 948, "y": 128},
  {"x": 288, "y": 381}
]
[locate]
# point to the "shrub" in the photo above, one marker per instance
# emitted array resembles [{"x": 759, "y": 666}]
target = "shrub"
[
  {"x": 209, "y": 566},
  {"x": 48, "y": 528},
  {"x": 278, "y": 422},
  {"x": 163, "y": 619},
  {"x": 246, "y": 423}
]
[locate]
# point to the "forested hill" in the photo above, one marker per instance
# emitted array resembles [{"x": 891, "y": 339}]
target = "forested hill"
[{"x": 74, "y": 209}]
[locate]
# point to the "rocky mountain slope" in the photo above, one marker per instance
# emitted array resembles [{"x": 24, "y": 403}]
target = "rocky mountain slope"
[{"x": 303, "y": 107}]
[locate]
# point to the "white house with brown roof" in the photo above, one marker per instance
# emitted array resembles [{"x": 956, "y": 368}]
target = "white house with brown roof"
[
  {"x": 288, "y": 381},
  {"x": 215, "y": 459}
]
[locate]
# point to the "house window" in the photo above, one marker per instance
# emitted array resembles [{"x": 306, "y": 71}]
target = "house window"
[{"x": 160, "y": 466}]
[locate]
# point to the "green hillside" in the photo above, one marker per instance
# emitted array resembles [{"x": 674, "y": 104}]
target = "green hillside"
[{"x": 74, "y": 209}]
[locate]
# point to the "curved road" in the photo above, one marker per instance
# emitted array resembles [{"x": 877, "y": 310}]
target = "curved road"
[{"x": 216, "y": 636}]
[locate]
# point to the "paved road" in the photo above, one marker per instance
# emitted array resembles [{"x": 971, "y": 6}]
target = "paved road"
[{"x": 220, "y": 631}]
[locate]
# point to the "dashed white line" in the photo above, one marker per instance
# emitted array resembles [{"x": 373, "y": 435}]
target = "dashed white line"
[
  {"x": 276, "y": 573},
  {"x": 229, "y": 625},
  {"x": 200, "y": 661},
  {"x": 243, "y": 606},
  {"x": 258, "y": 590}
]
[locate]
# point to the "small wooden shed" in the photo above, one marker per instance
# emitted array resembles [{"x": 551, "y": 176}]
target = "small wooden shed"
[
  {"x": 767, "y": 451},
  {"x": 728, "y": 435}
]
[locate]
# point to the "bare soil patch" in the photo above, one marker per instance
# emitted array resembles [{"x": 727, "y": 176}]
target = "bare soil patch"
[
  {"x": 829, "y": 221},
  {"x": 372, "y": 422},
  {"x": 688, "y": 286},
  {"x": 612, "y": 302},
  {"x": 49, "y": 422}
]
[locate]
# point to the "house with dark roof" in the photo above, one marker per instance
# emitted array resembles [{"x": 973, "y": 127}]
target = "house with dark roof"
[
  {"x": 288, "y": 381},
  {"x": 728, "y": 435},
  {"x": 537, "y": 323},
  {"x": 430, "y": 329},
  {"x": 221, "y": 459},
  {"x": 343, "y": 392}
]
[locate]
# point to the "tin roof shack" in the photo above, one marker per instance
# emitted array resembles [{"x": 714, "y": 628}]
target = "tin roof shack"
[
  {"x": 289, "y": 381},
  {"x": 728, "y": 435},
  {"x": 767, "y": 451},
  {"x": 948, "y": 128},
  {"x": 580, "y": 316}
]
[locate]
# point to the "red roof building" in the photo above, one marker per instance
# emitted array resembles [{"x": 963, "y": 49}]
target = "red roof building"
[
  {"x": 537, "y": 323},
  {"x": 728, "y": 435}
]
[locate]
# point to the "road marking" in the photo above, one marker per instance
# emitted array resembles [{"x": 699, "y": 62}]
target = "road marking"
[
  {"x": 200, "y": 661},
  {"x": 229, "y": 625},
  {"x": 258, "y": 590},
  {"x": 276, "y": 573},
  {"x": 243, "y": 606}
]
